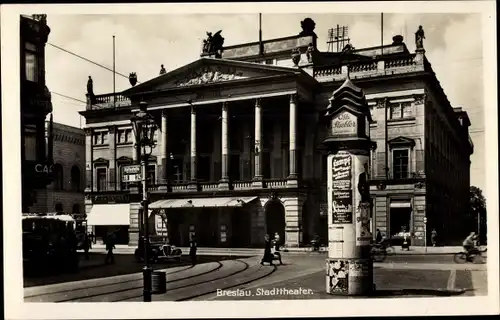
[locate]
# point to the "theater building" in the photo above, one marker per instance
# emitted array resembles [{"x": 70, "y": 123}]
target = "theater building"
[
  {"x": 35, "y": 98},
  {"x": 240, "y": 150}
]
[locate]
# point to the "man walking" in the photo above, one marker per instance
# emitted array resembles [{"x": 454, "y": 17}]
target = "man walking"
[
  {"x": 433, "y": 237},
  {"x": 110, "y": 245}
]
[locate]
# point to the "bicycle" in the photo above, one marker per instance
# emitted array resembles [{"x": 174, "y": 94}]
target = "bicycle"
[
  {"x": 475, "y": 256},
  {"x": 378, "y": 253}
]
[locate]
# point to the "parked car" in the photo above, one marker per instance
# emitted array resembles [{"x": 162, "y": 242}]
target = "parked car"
[{"x": 159, "y": 249}]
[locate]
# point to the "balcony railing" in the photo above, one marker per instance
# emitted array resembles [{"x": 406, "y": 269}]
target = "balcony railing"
[
  {"x": 108, "y": 100},
  {"x": 367, "y": 69}
]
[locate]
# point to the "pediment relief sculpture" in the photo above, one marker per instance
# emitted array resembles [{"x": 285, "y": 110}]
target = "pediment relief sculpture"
[{"x": 209, "y": 75}]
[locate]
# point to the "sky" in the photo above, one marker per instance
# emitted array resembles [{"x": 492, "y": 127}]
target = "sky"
[{"x": 145, "y": 41}]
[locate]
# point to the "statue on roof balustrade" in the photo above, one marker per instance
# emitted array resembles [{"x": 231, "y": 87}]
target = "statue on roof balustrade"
[
  {"x": 419, "y": 38},
  {"x": 213, "y": 44}
]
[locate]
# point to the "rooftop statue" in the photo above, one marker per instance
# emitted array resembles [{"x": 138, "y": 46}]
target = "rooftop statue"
[
  {"x": 419, "y": 38},
  {"x": 213, "y": 44},
  {"x": 162, "y": 70},
  {"x": 90, "y": 86},
  {"x": 308, "y": 26},
  {"x": 132, "y": 78}
]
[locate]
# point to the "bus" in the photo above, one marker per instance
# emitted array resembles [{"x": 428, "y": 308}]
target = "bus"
[{"x": 49, "y": 241}]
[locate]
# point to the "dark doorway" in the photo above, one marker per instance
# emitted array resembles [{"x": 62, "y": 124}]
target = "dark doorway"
[
  {"x": 275, "y": 220},
  {"x": 240, "y": 231},
  {"x": 234, "y": 167},
  {"x": 204, "y": 168},
  {"x": 400, "y": 219}
]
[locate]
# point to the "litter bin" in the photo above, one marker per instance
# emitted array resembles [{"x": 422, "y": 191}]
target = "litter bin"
[{"x": 159, "y": 282}]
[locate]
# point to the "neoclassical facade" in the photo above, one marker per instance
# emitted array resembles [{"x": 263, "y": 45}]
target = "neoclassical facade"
[{"x": 239, "y": 144}]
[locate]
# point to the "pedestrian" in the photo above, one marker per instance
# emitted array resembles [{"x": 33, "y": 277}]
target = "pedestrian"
[
  {"x": 378, "y": 238},
  {"x": 433, "y": 237},
  {"x": 86, "y": 245},
  {"x": 192, "y": 249},
  {"x": 109, "y": 241},
  {"x": 268, "y": 256},
  {"x": 275, "y": 253}
]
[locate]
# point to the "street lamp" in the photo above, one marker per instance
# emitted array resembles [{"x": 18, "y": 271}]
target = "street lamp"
[{"x": 144, "y": 127}]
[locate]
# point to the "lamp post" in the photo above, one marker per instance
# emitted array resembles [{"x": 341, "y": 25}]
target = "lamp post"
[{"x": 144, "y": 127}]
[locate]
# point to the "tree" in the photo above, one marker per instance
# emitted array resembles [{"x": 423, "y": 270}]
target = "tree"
[{"x": 477, "y": 210}]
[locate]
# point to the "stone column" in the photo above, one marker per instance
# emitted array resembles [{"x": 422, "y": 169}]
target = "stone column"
[
  {"x": 193, "y": 184},
  {"x": 164, "y": 151},
  {"x": 112, "y": 158},
  {"x": 292, "y": 178},
  {"x": 88, "y": 160},
  {"x": 258, "y": 145},
  {"x": 224, "y": 182}
]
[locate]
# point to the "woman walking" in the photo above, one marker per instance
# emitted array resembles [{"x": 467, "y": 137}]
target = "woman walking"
[{"x": 268, "y": 256}]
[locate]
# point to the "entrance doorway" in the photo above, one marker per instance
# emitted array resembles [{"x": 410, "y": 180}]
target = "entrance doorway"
[
  {"x": 400, "y": 219},
  {"x": 275, "y": 219}
]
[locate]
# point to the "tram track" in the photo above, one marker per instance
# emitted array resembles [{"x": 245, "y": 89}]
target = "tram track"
[
  {"x": 136, "y": 277},
  {"x": 81, "y": 291},
  {"x": 170, "y": 289}
]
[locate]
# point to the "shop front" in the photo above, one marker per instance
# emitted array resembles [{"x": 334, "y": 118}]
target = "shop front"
[{"x": 110, "y": 218}]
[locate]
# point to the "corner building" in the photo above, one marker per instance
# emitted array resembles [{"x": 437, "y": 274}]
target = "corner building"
[{"x": 240, "y": 151}]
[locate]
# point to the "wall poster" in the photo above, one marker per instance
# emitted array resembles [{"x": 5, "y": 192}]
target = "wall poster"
[
  {"x": 341, "y": 188},
  {"x": 337, "y": 276},
  {"x": 362, "y": 201}
]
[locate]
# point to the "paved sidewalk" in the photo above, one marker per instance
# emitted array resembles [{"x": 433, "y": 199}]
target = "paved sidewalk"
[{"x": 125, "y": 249}]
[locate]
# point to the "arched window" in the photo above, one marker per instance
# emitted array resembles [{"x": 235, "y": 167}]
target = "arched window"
[
  {"x": 75, "y": 178},
  {"x": 58, "y": 177},
  {"x": 76, "y": 208}
]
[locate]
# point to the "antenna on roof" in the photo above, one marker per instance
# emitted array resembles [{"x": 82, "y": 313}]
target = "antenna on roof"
[{"x": 338, "y": 38}]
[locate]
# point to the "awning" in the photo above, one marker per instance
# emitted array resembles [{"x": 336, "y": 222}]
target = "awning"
[
  {"x": 109, "y": 215},
  {"x": 401, "y": 204},
  {"x": 201, "y": 203}
]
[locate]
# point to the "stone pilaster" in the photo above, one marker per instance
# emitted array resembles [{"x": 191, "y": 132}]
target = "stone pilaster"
[
  {"x": 258, "y": 146},
  {"x": 293, "y": 221},
  {"x": 164, "y": 152},
  {"x": 193, "y": 182},
  {"x": 88, "y": 160},
  {"x": 134, "y": 224},
  {"x": 224, "y": 182},
  {"x": 292, "y": 178}
]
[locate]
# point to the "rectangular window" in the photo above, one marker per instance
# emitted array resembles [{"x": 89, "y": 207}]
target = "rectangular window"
[
  {"x": 400, "y": 110},
  {"x": 395, "y": 110},
  {"x": 101, "y": 179},
  {"x": 128, "y": 135},
  {"x": 100, "y": 138},
  {"x": 400, "y": 164},
  {"x": 406, "y": 109},
  {"x": 31, "y": 62}
]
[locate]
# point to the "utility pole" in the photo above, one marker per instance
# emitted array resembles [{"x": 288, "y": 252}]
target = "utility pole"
[{"x": 114, "y": 75}]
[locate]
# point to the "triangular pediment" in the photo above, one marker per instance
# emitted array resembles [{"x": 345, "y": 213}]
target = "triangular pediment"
[
  {"x": 206, "y": 71},
  {"x": 401, "y": 141}
]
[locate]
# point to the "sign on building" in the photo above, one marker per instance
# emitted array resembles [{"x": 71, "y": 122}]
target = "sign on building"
[{"x": 131, "y": 173}]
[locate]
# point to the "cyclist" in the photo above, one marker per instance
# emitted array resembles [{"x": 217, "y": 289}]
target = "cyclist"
[{"x": 469, "y": 244}]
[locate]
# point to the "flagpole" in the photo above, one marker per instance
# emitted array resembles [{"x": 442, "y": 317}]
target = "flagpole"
[
  {"x": 261, "y": 47},
  {"x": 382, "y": 33},
  {"x": 114, "y": 74}
]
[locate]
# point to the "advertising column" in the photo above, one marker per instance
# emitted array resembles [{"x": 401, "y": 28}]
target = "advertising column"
[{"x": 348, "y": 267}]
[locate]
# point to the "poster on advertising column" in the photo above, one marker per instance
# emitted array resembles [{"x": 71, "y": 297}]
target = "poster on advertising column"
[
  {"x": 362, "y": 200},
  {"x": 341, "y": 188}
]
